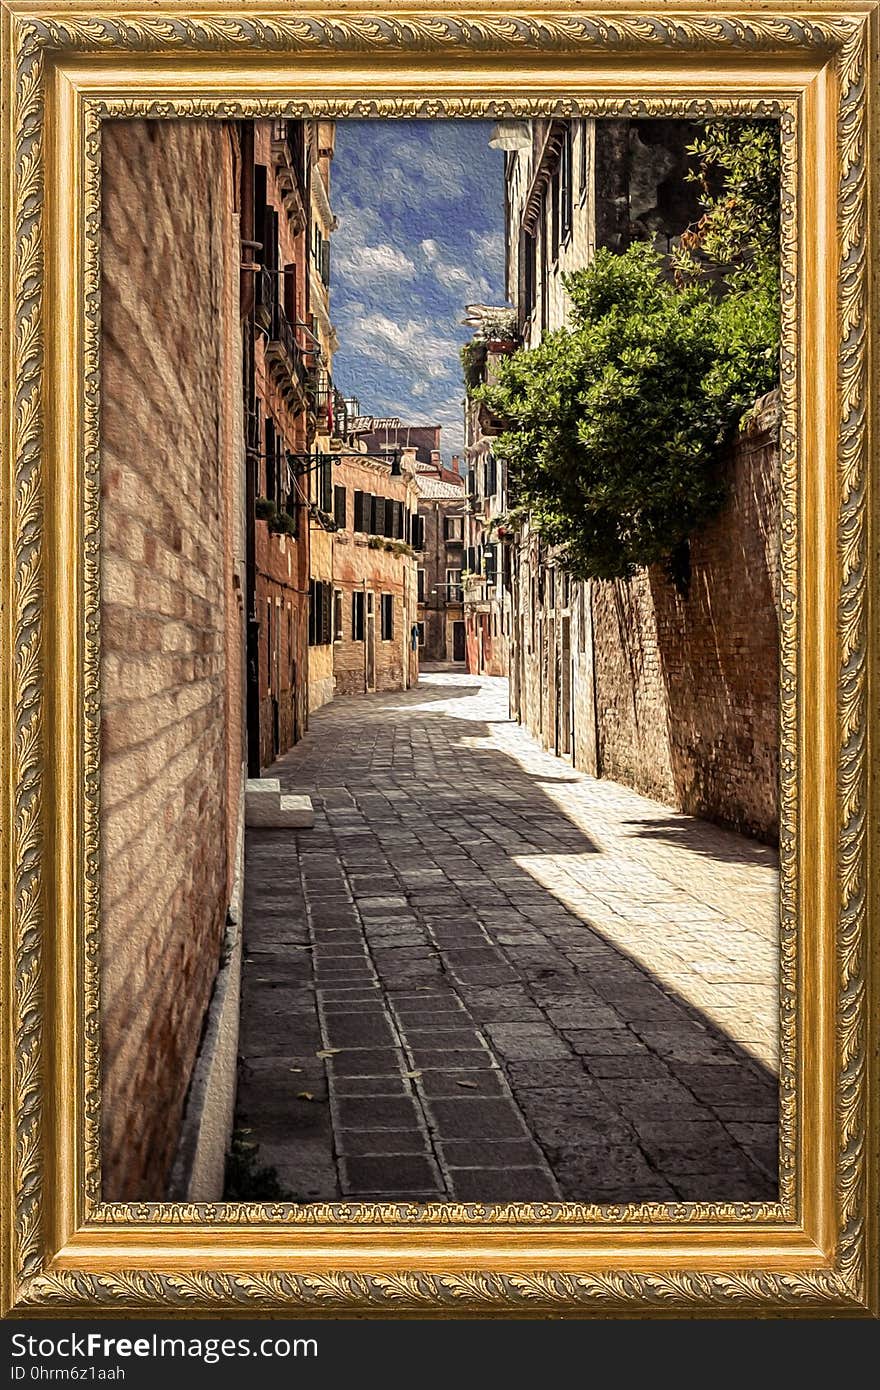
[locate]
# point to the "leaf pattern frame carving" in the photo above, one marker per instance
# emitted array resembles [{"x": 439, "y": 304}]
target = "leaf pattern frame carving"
[{"x": 840, "y": 39}]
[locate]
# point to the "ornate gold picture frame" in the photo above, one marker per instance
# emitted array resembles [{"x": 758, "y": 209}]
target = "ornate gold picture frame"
[{"x": 68, "y": 69}]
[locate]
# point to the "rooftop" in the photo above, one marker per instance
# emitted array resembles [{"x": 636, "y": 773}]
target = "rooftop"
[{"x": 429, "y": 485}]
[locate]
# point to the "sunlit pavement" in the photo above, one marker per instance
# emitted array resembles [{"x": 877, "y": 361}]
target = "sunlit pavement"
[{"x": 486, "y": 976}]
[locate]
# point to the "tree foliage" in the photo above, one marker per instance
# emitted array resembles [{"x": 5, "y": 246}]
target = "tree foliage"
[{"x": 617, "y": 422}]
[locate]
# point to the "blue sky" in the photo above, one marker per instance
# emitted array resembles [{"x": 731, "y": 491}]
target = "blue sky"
[{"x": 420, "y": 206}]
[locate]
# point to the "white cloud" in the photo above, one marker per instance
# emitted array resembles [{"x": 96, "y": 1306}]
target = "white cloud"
[
  {"x": 367, "y": 265},
  {"x": 414, "y": 348},
  {"x": 453, "y": 277},
  {"x": 488, "y": 250}
]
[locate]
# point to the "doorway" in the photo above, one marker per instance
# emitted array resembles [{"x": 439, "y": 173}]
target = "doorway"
[{"x": 458, "y": 642}]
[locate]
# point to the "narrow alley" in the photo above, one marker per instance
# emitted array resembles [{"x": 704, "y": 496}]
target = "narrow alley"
[{"x": 479, "y": 975}]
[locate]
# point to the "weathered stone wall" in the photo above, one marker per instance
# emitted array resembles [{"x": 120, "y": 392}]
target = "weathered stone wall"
[
  {"x": 172, "y": 745},
  {"x": 687, "y": 685}
]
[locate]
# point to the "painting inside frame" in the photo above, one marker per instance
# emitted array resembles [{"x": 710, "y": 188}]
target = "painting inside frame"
[{"x": 440, "y": 660}]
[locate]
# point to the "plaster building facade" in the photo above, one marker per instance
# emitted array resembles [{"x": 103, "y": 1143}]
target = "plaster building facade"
[
  {"x": 373, "y": 609},
  {"x": 440, "y": 557},
  {"x": 281, "y": 361},
  {"x": 488, "y": 606},
  {"x": 633, "y": 679},
  {"x": 172, "y": 627},
  {"x": 320, "y": 475}
]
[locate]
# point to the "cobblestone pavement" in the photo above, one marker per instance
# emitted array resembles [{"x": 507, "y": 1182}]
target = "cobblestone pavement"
[{"x": 484, "y": 975}]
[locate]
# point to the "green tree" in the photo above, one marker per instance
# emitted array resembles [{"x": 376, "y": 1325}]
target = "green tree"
[
  {"x": 616, "y": 422},
  {"x": 736, "y": 240}
]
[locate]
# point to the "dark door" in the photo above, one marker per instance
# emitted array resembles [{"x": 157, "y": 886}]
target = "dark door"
[{"x": 458, "y": 644}]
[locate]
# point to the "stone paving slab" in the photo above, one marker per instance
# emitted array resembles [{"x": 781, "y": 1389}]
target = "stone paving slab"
[{"x": 497, "y": 978}]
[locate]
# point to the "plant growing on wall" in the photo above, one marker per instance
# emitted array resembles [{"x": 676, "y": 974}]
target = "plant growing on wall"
[
  {"x": 736, "y": 241},
  {"x": 282, "y": 524},
  {"x": 264, "y": 508}
]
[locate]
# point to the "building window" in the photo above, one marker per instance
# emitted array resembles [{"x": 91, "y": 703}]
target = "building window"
[
  {"x": 361, "y": 512},
  {"x": 490, "y": 476},
  {"x": 545, "y": 307},
  {"x": 390, "y": 519},
  {"x": 528, "y": 265},
  {"x": 320, "y": 612},
  {"x": 453, "y": 586},
  {"x": 377, "y": 516},
  {"x": 269, "y": 646},
  {"x": 418, "y": 532},
  {"x": 489, "y": 563},
  {"x": 555, "y": 211},
  {"x": 421, "y": 590},
  {"x": 387, "y": 617},
  {"x": 565, "y": 188},
  {"x": 585, "y": 156},
  {"x": 357, "y": 616},
  {"x": 453, "y": 528},
  {"x": 421, "y": 630},
  {"x": 340, "y": 507}
]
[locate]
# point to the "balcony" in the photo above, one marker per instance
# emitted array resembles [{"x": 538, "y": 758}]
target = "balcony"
[
  {"x": 290, "y": 362},
  {"x": 291, "y": 170}
]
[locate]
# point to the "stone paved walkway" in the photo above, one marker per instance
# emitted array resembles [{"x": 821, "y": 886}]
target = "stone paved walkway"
[{"x": 484, "y": 975}]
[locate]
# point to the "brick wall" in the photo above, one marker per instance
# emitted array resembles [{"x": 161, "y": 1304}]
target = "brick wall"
[
  {"x": 672, "y": 693},
  {"x": 172, "y": 743},
  {"x": 687, "y": 685}
]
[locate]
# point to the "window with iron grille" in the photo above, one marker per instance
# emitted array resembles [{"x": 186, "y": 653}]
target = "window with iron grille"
[
  {"x": 387, "y": 617},
  {"x": 357, "y": 616},
  {"x": 340, "y": 507}
]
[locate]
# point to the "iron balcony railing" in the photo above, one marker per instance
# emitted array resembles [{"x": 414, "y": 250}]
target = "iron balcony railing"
[{"x": 283, "y": 342}]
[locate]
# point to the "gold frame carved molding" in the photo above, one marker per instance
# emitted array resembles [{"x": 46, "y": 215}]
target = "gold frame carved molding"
[{"x": 814, "y": 68}]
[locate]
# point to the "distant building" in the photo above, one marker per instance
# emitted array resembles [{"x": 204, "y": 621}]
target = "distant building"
[
  {"x": 387, "y": 433},
  {"x": 320, "y": 479},
  {"x": 440, "y": 557},
  {"x": 373, "y": 610},
  {"x": 487, "y": 565}
]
